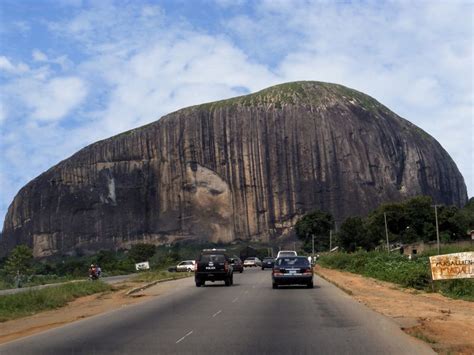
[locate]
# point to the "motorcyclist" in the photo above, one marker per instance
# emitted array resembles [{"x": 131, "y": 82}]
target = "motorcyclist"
[{"x": 93, "y": 272}]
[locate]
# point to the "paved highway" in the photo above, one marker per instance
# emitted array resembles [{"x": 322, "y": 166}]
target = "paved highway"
[{"x": 247, "y": 318}]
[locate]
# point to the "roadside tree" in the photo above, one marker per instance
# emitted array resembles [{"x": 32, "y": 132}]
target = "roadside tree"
[
  {"x": 353, "y": 234},
  {"x": 317, "y": 223},
  {"x": 19, "y": 264},
  {"x": 141, "y": 252}
]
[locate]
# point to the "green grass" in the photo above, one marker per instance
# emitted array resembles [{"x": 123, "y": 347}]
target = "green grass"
[
  {"x": 418, "y": 334},
  {"x": 150, "y": 276},
  {"x": 38, "y": 280},
  {"x": 31, "y": 302},
  {"x": 398, "y": 269}
]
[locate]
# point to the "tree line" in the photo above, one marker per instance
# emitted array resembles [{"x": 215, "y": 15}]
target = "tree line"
[{"x": 409, "y": 221}]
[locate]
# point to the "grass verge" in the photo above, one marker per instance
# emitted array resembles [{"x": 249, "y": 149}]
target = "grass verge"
[
  {"x": 150, "y": 276},
  {"x": 30, "y": 302},
  {"x": 38, "y": 280},
  {"x": 398, "y": 269}
]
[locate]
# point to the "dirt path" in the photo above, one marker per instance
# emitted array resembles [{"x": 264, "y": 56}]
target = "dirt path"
[
  {"x": 446, "y": 324},
  {"x": 81, "y": 308}
]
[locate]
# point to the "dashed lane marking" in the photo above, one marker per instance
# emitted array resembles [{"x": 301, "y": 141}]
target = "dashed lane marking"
[
  {"x": 235, "y": 299},
  {"x": 215, "y": 314},
  {"x": 181, "y": 339}
]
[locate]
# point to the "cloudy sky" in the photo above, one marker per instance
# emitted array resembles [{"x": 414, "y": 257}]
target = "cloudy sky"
[{"x": 73, "y": 71}]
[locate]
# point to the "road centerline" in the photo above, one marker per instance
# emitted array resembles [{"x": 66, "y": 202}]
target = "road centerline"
[{"x": 182, "y": 338}]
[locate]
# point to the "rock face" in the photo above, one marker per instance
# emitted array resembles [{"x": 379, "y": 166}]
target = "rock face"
[{"x": 244, "y": 168}]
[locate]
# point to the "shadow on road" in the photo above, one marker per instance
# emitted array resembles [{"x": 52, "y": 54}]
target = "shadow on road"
[{"x": 295, "y": 287}]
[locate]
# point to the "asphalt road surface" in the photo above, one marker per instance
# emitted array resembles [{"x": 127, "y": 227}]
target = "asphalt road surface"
[
  {"x": 110, "y": 280},
  {"x": 248, "y": 318}
]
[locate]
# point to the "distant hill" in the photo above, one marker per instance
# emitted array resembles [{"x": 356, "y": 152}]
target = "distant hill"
[{"x": 244, "y": 168}]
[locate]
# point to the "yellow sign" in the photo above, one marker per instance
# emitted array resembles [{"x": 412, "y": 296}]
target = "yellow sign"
[{"x": 452, "y": 266}]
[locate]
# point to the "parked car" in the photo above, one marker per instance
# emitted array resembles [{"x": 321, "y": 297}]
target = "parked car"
[
  {"x": 292, "y": 270},
  {"x": 237, "y": 264},
  {"x": 186, "y": 265},
  {"x": 268, "y": 263},
  {"x": 213, "y": 265},
  {"x": 252, "y": 262},
  {"x": 282, "y": 253}
]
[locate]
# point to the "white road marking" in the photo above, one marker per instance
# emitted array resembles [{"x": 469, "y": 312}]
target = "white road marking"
[
  {"x": 215, "y": 314},
  {"x": 235, "y": 299},
  {"x": 181, "y": 339}
]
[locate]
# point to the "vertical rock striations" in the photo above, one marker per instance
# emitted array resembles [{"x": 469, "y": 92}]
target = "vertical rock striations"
[{"x": 243, "y": 168}]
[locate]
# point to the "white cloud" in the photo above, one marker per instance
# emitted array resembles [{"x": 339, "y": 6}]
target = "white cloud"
[
  {"x": 229, "y": 3},
  {"x": 7, "y": 66},
  {"x": 3, "y": 112},
  {"x": 38, "y": 95},
  {"x": 56, "y": 98},
  {"x": 39, "y": 56}
]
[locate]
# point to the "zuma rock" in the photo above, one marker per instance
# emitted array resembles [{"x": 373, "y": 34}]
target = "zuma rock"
[{"x": 240, "y": 169}]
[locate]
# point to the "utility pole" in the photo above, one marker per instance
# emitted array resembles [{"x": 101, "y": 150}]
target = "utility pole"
[
  {"x": 386, "y": 230},
  {"x": 437, "y": 228},
  {"x": 312, "y": 240},
  {"x": 330, "y": 239}
]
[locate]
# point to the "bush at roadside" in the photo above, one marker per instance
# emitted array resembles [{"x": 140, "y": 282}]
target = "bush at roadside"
[
  {"x": 30, "y": 302},
  {"x": 399, "y": 269}
]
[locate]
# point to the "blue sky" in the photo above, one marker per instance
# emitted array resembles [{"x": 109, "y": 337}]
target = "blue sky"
[{"x": 73, "y": 72}]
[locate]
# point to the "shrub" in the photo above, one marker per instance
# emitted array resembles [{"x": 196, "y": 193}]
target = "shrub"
[
  {"x": 31, "y": 302},
  {"x": 398, "y": 269}
]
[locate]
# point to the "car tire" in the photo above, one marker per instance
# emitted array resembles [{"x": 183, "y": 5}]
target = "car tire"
[
  {"x": 274, "y": 286},
  {"x": 199, "y": 283},
  {"x": 263, "y": 268},
  {"x": 241, "y": 271},
  {"x": 227, "y": 281},
  {"x": 232, "y": 280},
  {"x": 310, "y": 285}
]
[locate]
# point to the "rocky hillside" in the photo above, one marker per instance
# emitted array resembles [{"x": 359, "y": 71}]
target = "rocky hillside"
[{"x": 243, "y": 168}]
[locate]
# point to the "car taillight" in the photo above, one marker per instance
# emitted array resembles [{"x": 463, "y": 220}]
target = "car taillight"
[
  {"x": 196, "y": 266},
  {"x": 307, "y": 271},
  {"x": 226, "y": 266},
  {"x": 276, "y": 271}
]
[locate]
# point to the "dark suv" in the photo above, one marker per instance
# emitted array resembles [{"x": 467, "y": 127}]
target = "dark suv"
[{"x": 213, "y": 265}]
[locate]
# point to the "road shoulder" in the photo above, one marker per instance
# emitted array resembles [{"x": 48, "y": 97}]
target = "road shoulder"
[
  {"x": 85, "y": 307},
  {"x": 445, "y": 324}
]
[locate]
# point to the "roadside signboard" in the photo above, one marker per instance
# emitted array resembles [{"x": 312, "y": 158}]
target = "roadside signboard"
[
  {"x": 452, "y": 266},
  {"x": 142, "y": 266}
]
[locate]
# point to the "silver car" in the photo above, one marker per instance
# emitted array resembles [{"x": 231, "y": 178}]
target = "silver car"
[
  {"x": 186, "y": 265},
  {"x": 252, "y": 261}
]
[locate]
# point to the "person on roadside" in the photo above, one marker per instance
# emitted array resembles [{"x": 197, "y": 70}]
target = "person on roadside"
[{"x": 93, "y": 272}]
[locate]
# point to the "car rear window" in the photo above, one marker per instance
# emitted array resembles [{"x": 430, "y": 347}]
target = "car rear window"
[
  {"x": 215, "y": 258},
  {"x": 287, "y": 253},
  {"x": 293, "y": 261}
]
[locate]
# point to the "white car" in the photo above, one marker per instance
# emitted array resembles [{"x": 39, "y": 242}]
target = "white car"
[
  {"x": 283, "y": 253},
  {"x": 252, "y": 261},
  {"x": 186, "y": 265}
]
